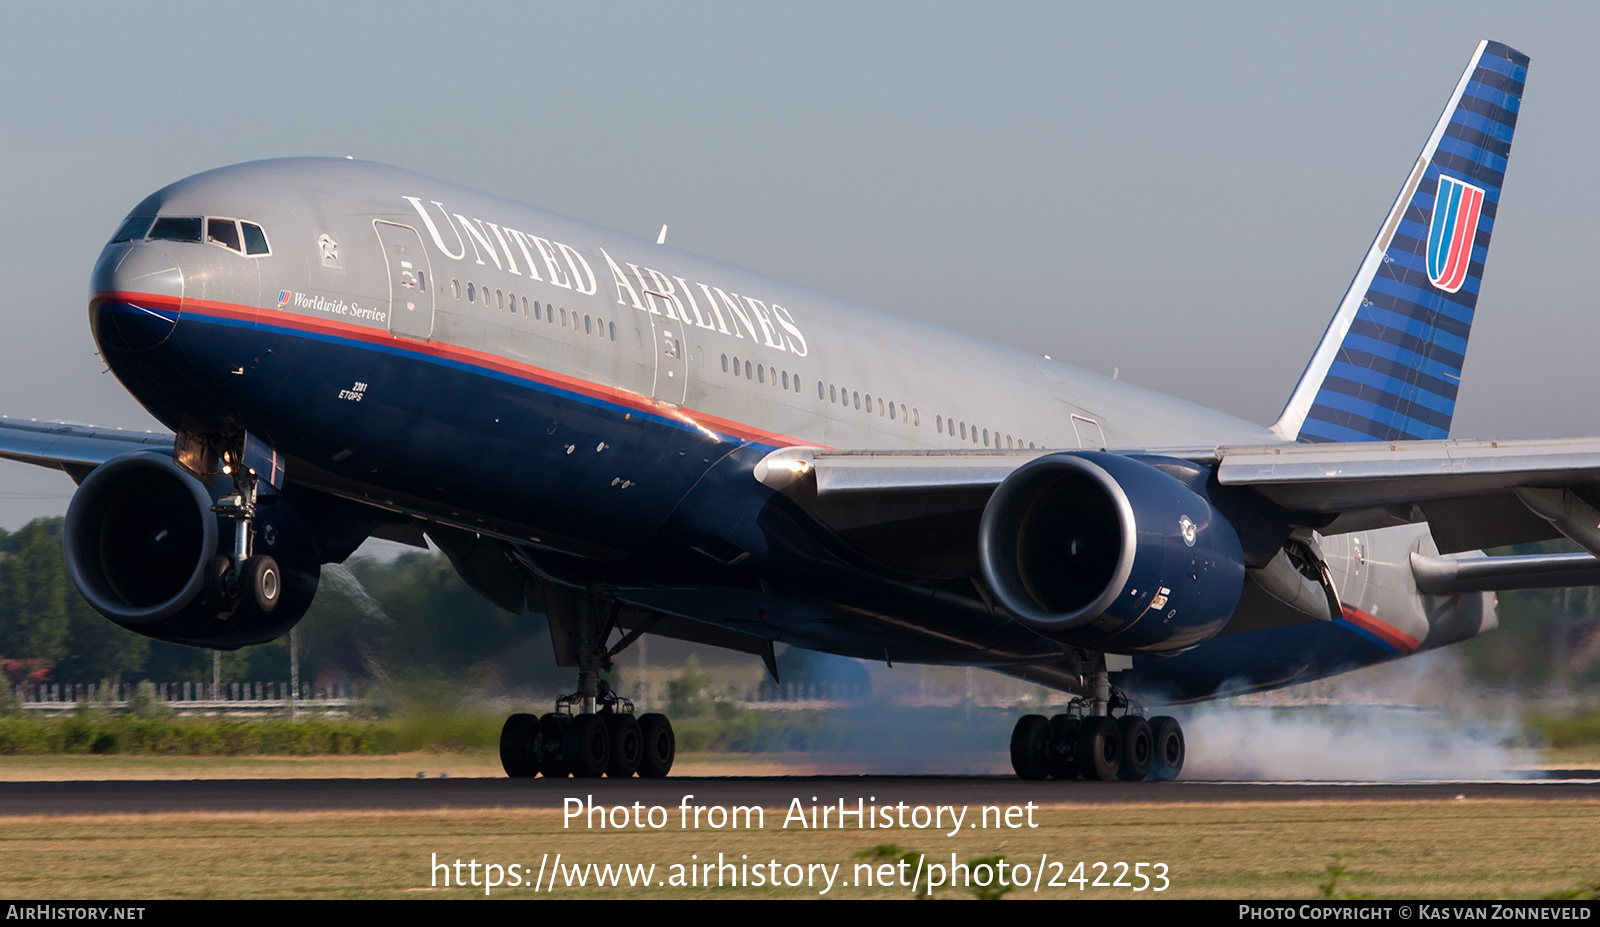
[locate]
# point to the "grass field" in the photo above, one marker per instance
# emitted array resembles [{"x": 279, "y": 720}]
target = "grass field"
[{"x": 1459, "y": 849}]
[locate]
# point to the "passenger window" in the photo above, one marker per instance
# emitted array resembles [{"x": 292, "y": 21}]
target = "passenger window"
[
  {"x": 724, "y": 363},
  {"x": 255, "y": 240},
  {"x": 747, "y": 370},
  {"x": 858, "y": 400},
  {"x": 786, "y": 379},
  {"x": 891, "y": 411},
  {"x": 499, "y": 299},
  {"x": 833, "y": 392},
  {"x": 133, "y": 229},
  {"x": 455, "y": 286},
  {"x": 916, "y": 417},
  {"x": 224, "y": 232},
  {"x": 588, "y": 328},
  {"x": 612, "y": 327},
  {"x": 524, "y": 307},
  {"x": 761, "y": 374},
  {"x": 172, "y": 228},
  {"x": 963, "y": 431},
  {"x": 819, "y": 390}
]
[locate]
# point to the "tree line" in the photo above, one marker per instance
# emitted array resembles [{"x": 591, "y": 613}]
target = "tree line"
[
  {"x": 407, "y": 618},
  {"x": 412, "y": 618}
]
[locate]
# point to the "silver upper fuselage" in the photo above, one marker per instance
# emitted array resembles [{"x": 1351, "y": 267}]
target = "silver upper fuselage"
[{"x": 680, "y": 322}]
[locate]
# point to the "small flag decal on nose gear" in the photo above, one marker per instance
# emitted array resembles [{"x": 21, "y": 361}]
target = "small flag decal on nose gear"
[{"x": 1456, "y": 209}]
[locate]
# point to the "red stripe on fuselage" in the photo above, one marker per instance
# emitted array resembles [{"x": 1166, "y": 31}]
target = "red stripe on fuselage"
[
  {"x": 1391, "y": 635},
  {"x": 472, "y": 357}
]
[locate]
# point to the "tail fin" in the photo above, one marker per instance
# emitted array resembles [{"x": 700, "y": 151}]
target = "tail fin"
[{"x": 1390, "y": 363}]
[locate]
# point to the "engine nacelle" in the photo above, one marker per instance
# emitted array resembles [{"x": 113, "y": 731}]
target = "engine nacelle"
[
  {"x": 1105, "y": 551},
  {"x": 139, "y": 536}
]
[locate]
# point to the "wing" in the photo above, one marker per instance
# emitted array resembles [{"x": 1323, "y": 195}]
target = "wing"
[
  {"x": 1473, "y": 494},
  {"x": 72, "y": 447},
  {"x": 919, "y": 511}
]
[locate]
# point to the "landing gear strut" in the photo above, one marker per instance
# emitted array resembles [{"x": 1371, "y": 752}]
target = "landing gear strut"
[
  {"x": 247, "y": 578},
  {"x": 1102, "y": 738}
]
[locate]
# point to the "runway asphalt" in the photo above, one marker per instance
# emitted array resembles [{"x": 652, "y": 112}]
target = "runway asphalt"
[{"x": 165, "y": 796}]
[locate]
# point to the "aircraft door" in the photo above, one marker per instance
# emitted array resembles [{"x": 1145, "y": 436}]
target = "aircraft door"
[
  {"x": 411, "y": 284},
  {"x": 1088, "y": 431},
  {"x": 1346, "y": 555},
  {"x": 672, "y": 355}
]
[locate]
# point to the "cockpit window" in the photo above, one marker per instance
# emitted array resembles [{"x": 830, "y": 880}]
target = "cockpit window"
[
  {"x": 133, "y": 228},
  {"x": 224, "y": 232},
  {"x": 255, "y": 240},
  {"x": 175, "y": 228},
  {"x": 233, "y": 234}
]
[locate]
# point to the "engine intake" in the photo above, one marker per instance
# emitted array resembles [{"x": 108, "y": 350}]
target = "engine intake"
[
  {"x": 1102, "y": 550},
  {"x": 139, "y": 536}
]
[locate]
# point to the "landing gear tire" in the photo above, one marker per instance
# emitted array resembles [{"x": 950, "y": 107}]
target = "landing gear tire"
[
  {"x": 520, "y": 740},
  {"x": 262, "y": 582},
  {"x": 659, "y": 746},
  {"x": 1167, "y": 737},
  {"x": 1099, "y": 748},
  {"x": 627, "y": 745},
  {"x": 1064, "y": 736},
  {"x": 588, "y": 746},
  {"x": 1030, "y": 746},
  {"x": 220, "y": 583},
  {"x": 1138, "y": 748},
  {"x": 553, "y": 756}
]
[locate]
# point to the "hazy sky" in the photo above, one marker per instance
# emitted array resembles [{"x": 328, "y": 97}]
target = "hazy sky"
[{"x": 1182, "y": 191}]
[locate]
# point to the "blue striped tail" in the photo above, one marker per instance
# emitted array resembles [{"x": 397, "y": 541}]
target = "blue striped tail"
[{"x": 1389, "y": 366}]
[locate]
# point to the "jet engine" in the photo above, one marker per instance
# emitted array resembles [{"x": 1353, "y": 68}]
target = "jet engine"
[
  {"x": 1111, "y": 552},
  {"x": 147, "y": 549}
]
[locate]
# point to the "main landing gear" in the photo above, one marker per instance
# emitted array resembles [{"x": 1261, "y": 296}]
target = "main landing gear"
[
  {"x": 608, "y": 742},
  {"x": 1088, "y": 741},
  {"x": 593, "y": 732}
]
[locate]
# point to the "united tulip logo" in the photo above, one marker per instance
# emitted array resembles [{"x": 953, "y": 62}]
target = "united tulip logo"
[{"x": 1456, "y": 209}]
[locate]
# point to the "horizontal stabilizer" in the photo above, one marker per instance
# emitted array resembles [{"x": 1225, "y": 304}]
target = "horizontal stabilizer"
[{"x": 1454, "y": 576}]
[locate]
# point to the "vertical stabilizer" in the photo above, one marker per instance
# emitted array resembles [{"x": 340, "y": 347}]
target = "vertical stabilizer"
[{"x": 1390, "y": 363}]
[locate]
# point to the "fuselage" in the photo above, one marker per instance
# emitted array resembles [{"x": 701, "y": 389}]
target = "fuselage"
[{"x": 590, "y": 395}]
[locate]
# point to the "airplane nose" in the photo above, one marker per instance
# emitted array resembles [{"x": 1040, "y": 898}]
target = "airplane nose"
[{"x": 135, "y": 296}]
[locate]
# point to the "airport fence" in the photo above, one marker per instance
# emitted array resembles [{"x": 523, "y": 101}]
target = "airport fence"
[{"x": 243, "y": 698}]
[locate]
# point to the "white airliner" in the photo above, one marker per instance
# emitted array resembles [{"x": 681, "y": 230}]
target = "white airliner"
[{"x": 630, "y": 439}]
